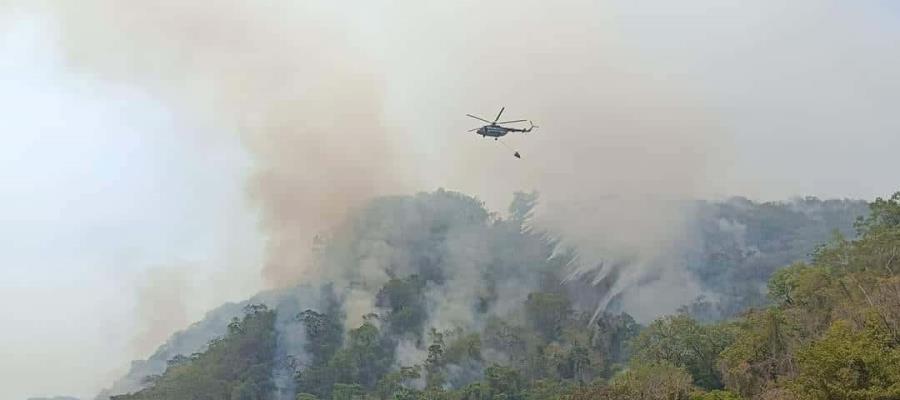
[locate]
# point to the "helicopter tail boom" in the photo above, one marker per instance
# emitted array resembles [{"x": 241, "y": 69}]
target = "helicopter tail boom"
[{"x": 526, "y": 130}]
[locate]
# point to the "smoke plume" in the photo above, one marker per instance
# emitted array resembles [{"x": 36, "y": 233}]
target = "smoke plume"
[
  {"x": 161, "y": 306},
  {"x": 336, "y": 103},
  {"x": 334, "y": 110},
  {"x": 304, "y": 100}
]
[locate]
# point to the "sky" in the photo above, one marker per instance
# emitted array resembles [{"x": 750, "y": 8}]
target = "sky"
[
  {"x": 101, "y": 191},
  {"x": 123, "y": 219}
]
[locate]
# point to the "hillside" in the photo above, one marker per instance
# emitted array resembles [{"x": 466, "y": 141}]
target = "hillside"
[{"x": 464, "y": 304}]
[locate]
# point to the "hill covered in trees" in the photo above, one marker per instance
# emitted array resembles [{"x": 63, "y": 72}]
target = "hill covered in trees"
[
  {"x": 740, "y": 243},
  {"x": 432, "y": 297}
]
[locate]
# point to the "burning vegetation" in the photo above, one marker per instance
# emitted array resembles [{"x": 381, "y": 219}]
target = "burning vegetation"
[{"x": 433, "y": 297}]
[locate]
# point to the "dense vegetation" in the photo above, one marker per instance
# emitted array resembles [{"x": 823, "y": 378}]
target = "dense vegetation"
[
  {"x": 237, "y": 366},
  {"x": 741, "y": 243},
  {"x": 829, "y": 330}
]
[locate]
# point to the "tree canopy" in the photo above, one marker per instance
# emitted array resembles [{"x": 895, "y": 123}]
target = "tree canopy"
[{"x": 829, "y": 330}]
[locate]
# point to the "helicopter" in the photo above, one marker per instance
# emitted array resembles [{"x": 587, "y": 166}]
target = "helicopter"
[{"x": 496, "y": 130}]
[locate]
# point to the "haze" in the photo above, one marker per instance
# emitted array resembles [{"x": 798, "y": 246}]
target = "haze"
[{"x": 157, "y": 160}]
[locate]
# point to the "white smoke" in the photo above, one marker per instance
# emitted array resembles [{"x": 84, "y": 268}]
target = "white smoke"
[{"x": 333, "y": 110}]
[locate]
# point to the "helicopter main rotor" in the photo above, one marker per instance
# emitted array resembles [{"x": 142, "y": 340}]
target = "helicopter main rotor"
[
  {"x": 479, "y": 118},
  {"x": 494, "y": 122}
]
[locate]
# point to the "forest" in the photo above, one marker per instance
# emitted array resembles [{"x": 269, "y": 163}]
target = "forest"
[{"x": 462, "y": 304}]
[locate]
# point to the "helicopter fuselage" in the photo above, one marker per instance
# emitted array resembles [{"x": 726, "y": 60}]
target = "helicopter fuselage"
[
  {"x": 493, "y": 131},
  {"x": 496, "y": 131}
]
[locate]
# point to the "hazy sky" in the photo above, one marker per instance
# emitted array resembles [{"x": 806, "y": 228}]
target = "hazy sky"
[
  {"x": 100, "y": 189},
  {"x": 104, "y": 186}
]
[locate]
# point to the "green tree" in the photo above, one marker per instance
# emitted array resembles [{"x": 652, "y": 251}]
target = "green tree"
[
  {"x": 324, "y": 335},
  {"x": 884, "y": 214},
  {"x": 547, "y": 389},
  {"x": 393, "y": 384},
  {"x": 504, "y": 383},
  {"x": 343, "y": 391},
  {"x": 761, "y": 355},
  {"x": 715, "y": 395},
  {"x": 547, "y": 313},
  {"x": 848, "y": 365},
  {"x": 656, "y": 381},
  {"x": 434, "y": 375},
  {"x": 405, "y": 302},
  {"x": 575, "y": 364},
  {"x": 369, "y": 354},
  {"x": 612, "y": 335},
  {"x": 237, "y": 366},
  {"x": 808, "y": 294},
  {"x": 462, "y": 346},
  {"x": 683, "y": 342}
]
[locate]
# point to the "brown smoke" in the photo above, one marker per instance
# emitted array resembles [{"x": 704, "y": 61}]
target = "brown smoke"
[
  {"x": 305, "y": 102},
  {"x": 339, "y": 102},
  {"x": 161, "y": 309}
]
